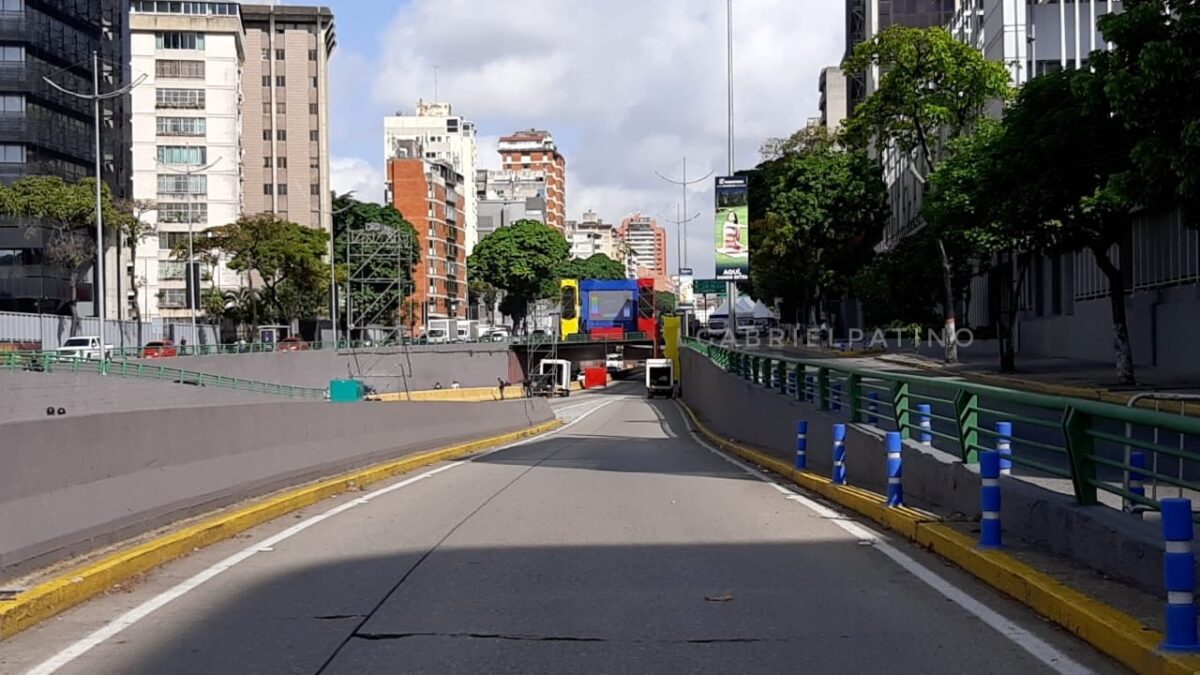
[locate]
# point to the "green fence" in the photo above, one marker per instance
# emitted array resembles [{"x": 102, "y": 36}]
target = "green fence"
[
  {"x": 52, "y": 363},
  {"x": 1090, "y": 443}
]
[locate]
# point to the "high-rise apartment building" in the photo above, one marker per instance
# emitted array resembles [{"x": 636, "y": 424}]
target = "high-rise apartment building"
[
  {"x": 832, "y": 86},
  {"x": 534, "y": 150},
  {"x": 504, "y": 197},
  {"x": 867, "y": 18},
  {"x": 432, "y": 196},
  {"x": 647, "y": 242},
  {"x": 46, "y": 132},
  {"x": 443, "y": 136},
  {"x": 187, "y": 144},
  {"x": 592, "y": 235},
  {"x": 286, "y": 112}
]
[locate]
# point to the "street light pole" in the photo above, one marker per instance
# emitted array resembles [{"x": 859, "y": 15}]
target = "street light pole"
[
  {"x": 333, "y": 308},
  {"x": 96, "y": 97},
  {"x": 683, "y": 183}
]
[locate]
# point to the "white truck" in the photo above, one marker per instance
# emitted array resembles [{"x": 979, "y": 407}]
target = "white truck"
[
  {"x": 660, "y": 378},
  {"x": 441, "y": 331},
  {"x": 84, "y": 347}
]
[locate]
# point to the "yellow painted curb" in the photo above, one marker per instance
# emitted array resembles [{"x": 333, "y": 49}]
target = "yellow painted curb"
[
  {"x": 1109, "y": 630},
  {"x": 470, "y": 394},
  {"x": 76, "y": 586}
]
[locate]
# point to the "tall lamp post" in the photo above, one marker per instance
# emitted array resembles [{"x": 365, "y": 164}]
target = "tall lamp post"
[
  {"x": 333, "y": 305},
  {"x": 96, "y": 97},
  {"x": 191, "y": 261}
]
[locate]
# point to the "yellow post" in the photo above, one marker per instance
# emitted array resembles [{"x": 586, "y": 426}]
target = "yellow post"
[{"x": 671, "y": 331}]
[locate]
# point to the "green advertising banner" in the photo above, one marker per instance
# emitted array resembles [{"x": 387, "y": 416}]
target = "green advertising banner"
[{"x": 732, "y": 228}]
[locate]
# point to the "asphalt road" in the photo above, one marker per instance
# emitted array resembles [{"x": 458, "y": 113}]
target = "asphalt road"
[{"x": 617, "y": 545}]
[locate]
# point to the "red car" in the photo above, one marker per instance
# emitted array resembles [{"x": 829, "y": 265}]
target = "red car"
[
  {"x": 292, "y": 344},
  {"x": 160, "y": 349}
]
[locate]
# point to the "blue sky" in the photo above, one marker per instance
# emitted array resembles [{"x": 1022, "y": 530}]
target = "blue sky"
[{"x": 627, "y": 87}]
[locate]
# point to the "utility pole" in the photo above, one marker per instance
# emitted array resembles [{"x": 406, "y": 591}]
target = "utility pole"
[
  {"x": 732, "y": 292},
  {"x": 191, "y": 260},
  {"x": 333, "y": 304},
  {"x": 96, "y": 97},
  {"x": 683, "y": 183}
]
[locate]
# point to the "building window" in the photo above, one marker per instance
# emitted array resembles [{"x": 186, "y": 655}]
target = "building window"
[
  {"x": 181, "y": 126},
  {"x": 172, "y": 298},
  {"x": 12, "y": 105},
  {"x": 281, "y": 134},
  {"x": 314, "y": 135},
  {"x": 314, "y": 83},
  {"x": 280, "y": 81},
  {"x": 312, "y": 55},
  {"x": 170, "y": 270},
  {"x": 12, "y": 54},
  {"x": 179, "y": 98},
  {"x": 171, "y": 240},
  {"x": 281, "y": 190},
  {"x": 182, "y": 212},
  {"x": 164, "y": 7},
  {"x": 179, "y": 40},
  {"x": 183, "y": 70},
  {"x": 266, "y": 134},
  {"x": 268, "y": 188},
  {"x": 266, "y": 107},
  {"x": 266, "y": 80},
  {"x": 312, "y": 108},
  {"x": 12, "y": 154},
  {"x": 266, "y": 162},
  {"x": 279, "y": 53},
  {"x": 315, "y": 189},
  {"x": 281, "y": 107},
  {"x": 182, "y": 154},
  {"x": 281, "y": 162},
  {"x": 12, "y": 5},
  {"x": 182, "y": 184},
  {"x": 266, "y": 53}
]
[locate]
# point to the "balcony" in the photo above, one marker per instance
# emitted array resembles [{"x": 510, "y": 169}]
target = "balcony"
[{"x": 14, "y": 26}]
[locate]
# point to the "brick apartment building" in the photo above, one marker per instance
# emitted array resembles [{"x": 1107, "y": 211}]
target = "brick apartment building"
[
  {"x": 646, "y": 242},
  {"x": 430, "y": 195},
  {"x": 534, "y": 150}
]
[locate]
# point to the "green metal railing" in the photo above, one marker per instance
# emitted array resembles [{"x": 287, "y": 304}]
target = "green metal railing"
[
  {"x": 55, "y": 363},
  {"x": 1086, "y": 442}
]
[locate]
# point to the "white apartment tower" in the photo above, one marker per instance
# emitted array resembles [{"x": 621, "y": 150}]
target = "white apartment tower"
[
  {"x": 186, "y": 140},
  {"x": 446, "y": 136}
]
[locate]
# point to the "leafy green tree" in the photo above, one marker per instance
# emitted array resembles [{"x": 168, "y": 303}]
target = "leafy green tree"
[
  {"x": 664, "y": 302},
  {"x": 1151, "y": 83},
  {"x": 815, "y": 216},
  {"x": 1066, "y": 165},
  {"x": 523, "y": 260},
  {"x": 377, "y": 297},
  {"x": 900, "y": 287},
  {"x": 67, "y": 211},
  {"x": 287, "y": 258},
  {"x": 932, "y": 87},
  {"x": 480, "y": 292},
  {"x": 133, "y": 231},
  {"x": 597, "y": 266}
]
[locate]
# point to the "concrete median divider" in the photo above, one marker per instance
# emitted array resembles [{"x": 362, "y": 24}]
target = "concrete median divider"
[{"x": 180, "y": 484}]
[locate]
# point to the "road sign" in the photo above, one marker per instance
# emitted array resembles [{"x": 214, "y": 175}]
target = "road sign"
[{"x": 709, "y": 286}]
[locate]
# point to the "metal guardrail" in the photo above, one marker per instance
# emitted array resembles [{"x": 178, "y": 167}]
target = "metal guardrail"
[
  {"x": 53, "y": 363},
  {"x": 1086, "y": 442}
]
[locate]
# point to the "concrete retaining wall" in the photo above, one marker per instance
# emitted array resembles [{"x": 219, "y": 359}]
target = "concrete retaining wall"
[
  {"x": 473, "y": 365},
  {"x": 1098, "y": 537},
  {"x": 76, "y": 483}
]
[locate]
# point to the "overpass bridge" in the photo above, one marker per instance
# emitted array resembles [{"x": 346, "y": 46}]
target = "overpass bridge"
[{"x": 631, "y": 538}]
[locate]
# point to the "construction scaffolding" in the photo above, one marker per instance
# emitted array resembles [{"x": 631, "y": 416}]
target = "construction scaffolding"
[{"x": 379, "y": 263}]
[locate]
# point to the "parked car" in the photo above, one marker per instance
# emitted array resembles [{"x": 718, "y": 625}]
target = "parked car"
[
  {"x": 291, "y": 344},
  {"x": 160, "y": 349},
  {"x": 84, "y": 347}
]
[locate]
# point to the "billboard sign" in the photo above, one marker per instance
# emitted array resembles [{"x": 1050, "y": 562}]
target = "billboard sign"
[
  {"x": 710, "y": 287},
  {"x": 733, "y": 228},
  {"x": 686, "y": 300}
]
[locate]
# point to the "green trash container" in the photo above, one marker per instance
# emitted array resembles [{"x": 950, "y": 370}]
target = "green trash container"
[{"x": 346, "y": 391}]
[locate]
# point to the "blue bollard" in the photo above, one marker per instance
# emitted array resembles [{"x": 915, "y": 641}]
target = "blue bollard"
[
  {"x": 801, "y": 444},
  {"x": 925, "y": 421},
  {"x": 1179, "y": 572},
  {"x": 989, "y": 499},
  {"x": 791, "y": 383},
  {"x": 839, "y": 454},
  {"x": 837, "y": 398},
  {"x": 808, "y": 388},
  {"x": 895, "y": 490},
  {"x": 873, "y": 408},
  {"x": 1137, "y": 479},
  {"x": 1004, "y": 446}
]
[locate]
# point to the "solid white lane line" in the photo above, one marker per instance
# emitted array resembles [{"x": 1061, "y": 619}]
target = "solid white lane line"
[
  {"x": 1036, "y": 647},
  {"x": 116, "y": 626}
]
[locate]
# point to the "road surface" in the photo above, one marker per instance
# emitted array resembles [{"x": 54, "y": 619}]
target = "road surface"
[{"x": 617, "y": 545}]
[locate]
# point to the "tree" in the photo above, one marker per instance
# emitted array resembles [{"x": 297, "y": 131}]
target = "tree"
[
  {"x": 1151, "y": 82},
  {"x": 1066, "y": 161},
  {"x": 133, "y": 231},
  {"x": 389, "y": 273},
  {"x": 480, "y": 292},
  {"x": 808, "y": 138},
  {"x": 815, "y": 216},
  {"x": 664, "y": 302},
  {"x": 68, "y": 212},
  {"x": 521, "y": 260},
  {"x": 932, "y": 87},
  {"x": 597, "y": 266},
  {"x": 287, "y": 258},
  {"x": 899, "y": 287}
]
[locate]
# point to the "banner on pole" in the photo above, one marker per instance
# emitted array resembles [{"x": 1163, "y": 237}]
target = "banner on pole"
[{"x": 732, "y": 228}]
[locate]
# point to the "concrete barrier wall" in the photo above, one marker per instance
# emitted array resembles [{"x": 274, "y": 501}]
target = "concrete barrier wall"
[
  {"x": 73, "y": 484},
  {"x": 1099, "y": 537},
  {"x": 473, "y": 365}
]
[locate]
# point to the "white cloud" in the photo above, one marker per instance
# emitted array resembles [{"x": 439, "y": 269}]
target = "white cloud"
[
  {"x": 348, "y": 174},
  {"x": 627, "y": 86}
]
